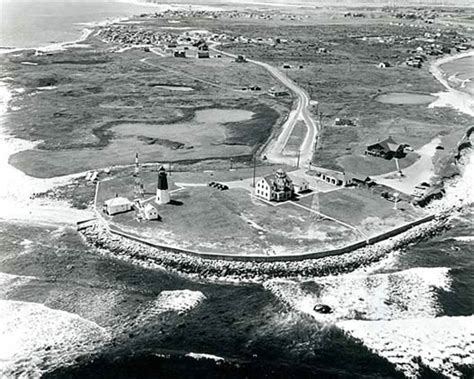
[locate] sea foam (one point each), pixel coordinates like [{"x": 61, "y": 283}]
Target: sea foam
[
  {"x": 35, "y": 338},
  {"x": 403, "y": 294},
  {"x": 443, "y": 344}
]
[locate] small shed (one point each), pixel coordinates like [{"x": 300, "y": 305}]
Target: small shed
[
  {"x": 278, "y": 92},
  {"x": 117, "y": 205},
  {"x": 301, "y": 186},
  {"x": 150, "y": 212}
]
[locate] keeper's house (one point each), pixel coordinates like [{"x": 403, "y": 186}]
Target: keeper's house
[{"x": 275, "y": 187}]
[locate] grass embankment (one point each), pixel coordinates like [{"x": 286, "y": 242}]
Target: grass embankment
[{"x": 73, "y": 100}]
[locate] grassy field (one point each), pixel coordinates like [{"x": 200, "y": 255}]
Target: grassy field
[
  {"x": 363, "y": 209},
  {"x": 206, "y": 219},
  {"x": 73, "y": 102},
  {"x": 296, "y": 138}
]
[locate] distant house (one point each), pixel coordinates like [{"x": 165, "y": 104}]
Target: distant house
[
  {"x": 386, "y": 149},
  {"x": 384, "y": 65},
  {"x": 278, "y": 92},
  {"x": 255, "y": 88},
  {"x": 150, "y": 212},
  {"x": 241, "y": 59},
  {"x": 446, "y": 50},
  {"x": 344, "y": 122},
  {"x": 413, "y": 63},
  {"x": 333, "y": 177},
  {"x": 202, "y": 54},
  {"x": 462, "y": 47},
  {"x": 276, "y": 187},
  {"x": 117, "y": 205},
  {"x": 179, "y": 54}
]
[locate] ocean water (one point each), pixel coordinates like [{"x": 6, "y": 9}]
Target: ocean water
[
  {"x": 460, "y": 74},
  {"x": 40, "y": 23}
]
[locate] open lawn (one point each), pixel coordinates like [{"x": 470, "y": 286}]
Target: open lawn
[
  {"x": 206, "y": 219},
  {"x": 363, "y": 209}
]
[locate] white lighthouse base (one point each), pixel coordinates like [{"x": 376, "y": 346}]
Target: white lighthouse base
[{"x": 162, "y": 197}]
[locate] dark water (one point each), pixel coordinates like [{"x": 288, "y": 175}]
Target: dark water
[{"x": 255, "y": 332}]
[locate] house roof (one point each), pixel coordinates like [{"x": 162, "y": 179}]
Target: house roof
[
  {"x": 149, "y": 207},
  {"x": 388, "y": 144},
  {"x": 333, "y": 173},
  {"x": 117, "y": 201},
  {"x": 300, "y": 182}
]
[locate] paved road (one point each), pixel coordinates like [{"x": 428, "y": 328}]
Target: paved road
[{"x": 275, "y": 150}]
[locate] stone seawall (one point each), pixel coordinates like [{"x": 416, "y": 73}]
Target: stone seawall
[{"x": 152, "y": 257}]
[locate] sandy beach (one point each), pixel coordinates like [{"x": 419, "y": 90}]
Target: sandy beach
[{"x": 456, "y": 99}]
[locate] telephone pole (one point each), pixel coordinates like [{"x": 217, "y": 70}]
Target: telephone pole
[
  {"x": 254, "y": 170},
  {"x": 138, "y": 190}
]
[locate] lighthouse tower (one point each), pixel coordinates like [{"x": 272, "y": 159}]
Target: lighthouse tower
[{"x": 162, "y": 194}]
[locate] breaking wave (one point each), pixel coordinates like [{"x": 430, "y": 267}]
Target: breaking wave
[
  {"x": 443, "y": 344},
  {"x": 404, "y": 294},
  {"x": 36, "y": 339}
]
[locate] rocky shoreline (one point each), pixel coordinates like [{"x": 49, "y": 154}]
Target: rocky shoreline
[{"x": 135, "y": 252}]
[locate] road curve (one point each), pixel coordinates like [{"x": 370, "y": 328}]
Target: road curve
[{"x": 275, "y": 151}]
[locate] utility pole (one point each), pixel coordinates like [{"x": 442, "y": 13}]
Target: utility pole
[
  {"x": 138, "y": 188},
  {"x": 254, "y": 170}
]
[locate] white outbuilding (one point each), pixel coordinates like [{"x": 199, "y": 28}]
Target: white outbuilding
[
  {"x": 150, "y": 212},
  {"x": 300, "y": 185},
  {"x": 117, "y": 205}
]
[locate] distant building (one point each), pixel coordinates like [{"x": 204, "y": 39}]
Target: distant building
[
  {"x": 179, "y": 54},
  {"x": 203, "y": 54},
  {"x": 162, "y": 192},
  {"x": 286, "y": 66},
  {"x": 333, "y": 177},
  {"x": 117, "y": 205},
  {"x": 384, "y": 65},
  {"x": 277, "y": 187},
  {"x": 386, "y": 149},
  {"x": 150, "y": 212},
  {"x": 344, "y": 122},
  {"x": 278, "y": 92},
  {"x": 241, "y": 59}
]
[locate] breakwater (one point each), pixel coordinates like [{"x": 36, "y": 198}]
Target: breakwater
[{"x": 124, "y": 248}]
